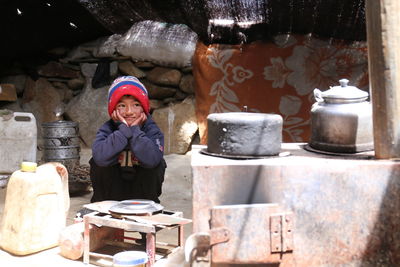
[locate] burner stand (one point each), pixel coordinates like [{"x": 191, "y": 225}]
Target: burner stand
[{"x": 128, "y": 225}]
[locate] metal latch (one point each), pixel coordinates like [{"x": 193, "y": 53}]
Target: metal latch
[{"x": 281, "y": 230}]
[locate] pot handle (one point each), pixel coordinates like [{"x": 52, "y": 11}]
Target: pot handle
[{"x": 318, "y": 95}]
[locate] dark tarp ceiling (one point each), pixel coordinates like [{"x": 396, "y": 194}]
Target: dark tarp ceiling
[
  {"x": 252, "y": 19},
  {"x": 33, "y": 26},
  {"x": 29, "y": 27}
]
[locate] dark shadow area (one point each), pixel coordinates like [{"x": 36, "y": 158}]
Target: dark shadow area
[
  {"x": 33, "y": 27},
  {"x": 383, "y": 247}
]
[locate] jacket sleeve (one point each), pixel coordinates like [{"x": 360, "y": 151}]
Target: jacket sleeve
[
  {"x": 147, "y": 144},
  {"x": 109, "y": 143}
]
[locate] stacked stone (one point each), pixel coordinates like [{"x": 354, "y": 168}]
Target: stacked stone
[{"x": 62, "y": 88}]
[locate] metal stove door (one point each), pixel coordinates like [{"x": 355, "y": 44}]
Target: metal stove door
[{"x": 245, "y": 234}]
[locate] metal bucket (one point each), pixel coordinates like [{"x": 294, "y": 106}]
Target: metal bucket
[{"x": 61, "y": 142}]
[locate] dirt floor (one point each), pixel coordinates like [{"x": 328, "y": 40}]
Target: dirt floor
[{"x": 176, "y": 196}]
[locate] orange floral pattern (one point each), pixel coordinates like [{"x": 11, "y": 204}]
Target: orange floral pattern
[{"x": 275, "y": 77}]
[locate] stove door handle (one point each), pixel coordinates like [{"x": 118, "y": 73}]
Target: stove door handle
[{"x": 198, "y": 244}]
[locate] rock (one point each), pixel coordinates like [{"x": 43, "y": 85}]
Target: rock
[
  {"x": 107, "y": 46},
  {"x": 8, "y": 92},
  {"x": 162, "y": 43},
  {"x": 89, "y": 109},
  {"x": 187, "y": 84},
  {"x": 169, "y": 100},
  {"x": 18, "y": 81},
  {"x": 76, "y": 92},
  {"x": 164, "y": 76},
  {"x": 56, "y": 69},
  {"x": 52, "y": 79},
  {"x": 59, "y": 85},
  {"x": 114, "y": 68},
  {"x": 88, "y": 70},
  {"x": 76, "y": 84},
  {"x": 41, "y": 99},
  {"x": 179, "y": 124},
  {"x": 63, "y": 90},
  {"x": 179, "y": 95},
  {"x": 58, "y": 51},
  {"x": 158, "y": 92},
  {"x": 155, "y": 104},
  {"x": 76, "y": 54},
  {"x": 144, "y": 64},
  {"x": 187, "y": 69},
  {"x": 128, "y": 68},
  {"x": 83, "y": 51},
  {"x": 72, "y": 66}
]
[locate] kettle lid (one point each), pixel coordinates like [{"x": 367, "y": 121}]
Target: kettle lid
[{"x": 345, "y": 92}]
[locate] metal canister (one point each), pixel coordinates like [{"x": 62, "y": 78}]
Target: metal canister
[
  {"x": 341, "y": 120},
  {"x": 61, "y": 142}
]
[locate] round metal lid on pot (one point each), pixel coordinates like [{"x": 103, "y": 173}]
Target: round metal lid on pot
[
  {"x": 342, "y": 93},
  {"x": 59, "y": 124}
]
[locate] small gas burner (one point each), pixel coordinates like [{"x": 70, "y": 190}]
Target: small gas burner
[{"x": 136, "y": 207}]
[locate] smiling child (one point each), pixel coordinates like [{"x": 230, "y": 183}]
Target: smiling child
[{"x": 127, "y": 154}]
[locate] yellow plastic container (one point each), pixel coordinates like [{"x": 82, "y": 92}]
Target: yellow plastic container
[{"x": 36, "y": 207}]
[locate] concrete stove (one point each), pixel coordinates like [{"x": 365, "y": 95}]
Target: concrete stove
[{"x": 346, "y": 209}]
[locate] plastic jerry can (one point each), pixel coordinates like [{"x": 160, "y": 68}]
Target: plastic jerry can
[
  {"x": 18, "y": 139},
  {"x": 36, "y": 207}
]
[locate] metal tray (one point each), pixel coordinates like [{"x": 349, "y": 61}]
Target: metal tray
[{"x": 205, "y": 152}]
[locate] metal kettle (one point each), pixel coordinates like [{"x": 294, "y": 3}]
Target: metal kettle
[{"x": 341, "y": 120}]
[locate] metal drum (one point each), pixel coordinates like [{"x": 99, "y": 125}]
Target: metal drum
[{"x": 61, "y": 142}]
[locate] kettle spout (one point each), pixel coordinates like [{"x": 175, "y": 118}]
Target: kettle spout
[{"x": 318, "y": 95}]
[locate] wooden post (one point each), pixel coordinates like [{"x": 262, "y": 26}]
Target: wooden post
[{"x": 383, "y": 35}]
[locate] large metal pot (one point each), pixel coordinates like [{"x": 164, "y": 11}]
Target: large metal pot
[
  {"x": 244, "y": 134},
  {"x": 341, "y": 120}
]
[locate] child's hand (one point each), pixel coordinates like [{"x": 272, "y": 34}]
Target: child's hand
[
  {"x": 139, "y": 120},
  {"x": 116, "y": 116}
]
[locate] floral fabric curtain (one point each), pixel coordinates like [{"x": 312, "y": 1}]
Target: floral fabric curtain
[{"x": 274, "y": 77}]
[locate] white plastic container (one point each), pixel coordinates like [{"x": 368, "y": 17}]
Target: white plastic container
[
  {"x": 130, "y": 259},
  {"x": 18, "y": 140},
  {"x": 35, "y": 210}
]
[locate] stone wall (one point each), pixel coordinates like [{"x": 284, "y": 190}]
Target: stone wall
[{"x": 72, "y": 84}]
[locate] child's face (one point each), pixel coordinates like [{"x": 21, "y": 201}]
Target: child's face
[{"x": 129, "y": 108}]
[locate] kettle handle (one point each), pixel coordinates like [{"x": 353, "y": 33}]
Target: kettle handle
[{"x": 318, "y": 95}]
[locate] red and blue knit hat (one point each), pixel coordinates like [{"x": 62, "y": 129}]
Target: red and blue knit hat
[{"x": 127, "y": 85}]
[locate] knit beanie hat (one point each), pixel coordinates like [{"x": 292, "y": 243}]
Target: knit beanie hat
[{"x": 127, "y": 85}]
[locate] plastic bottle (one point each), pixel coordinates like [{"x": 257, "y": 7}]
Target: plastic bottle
[
  {"x": 36, "y": 206},
  {"x": 18, "y": 140}
]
